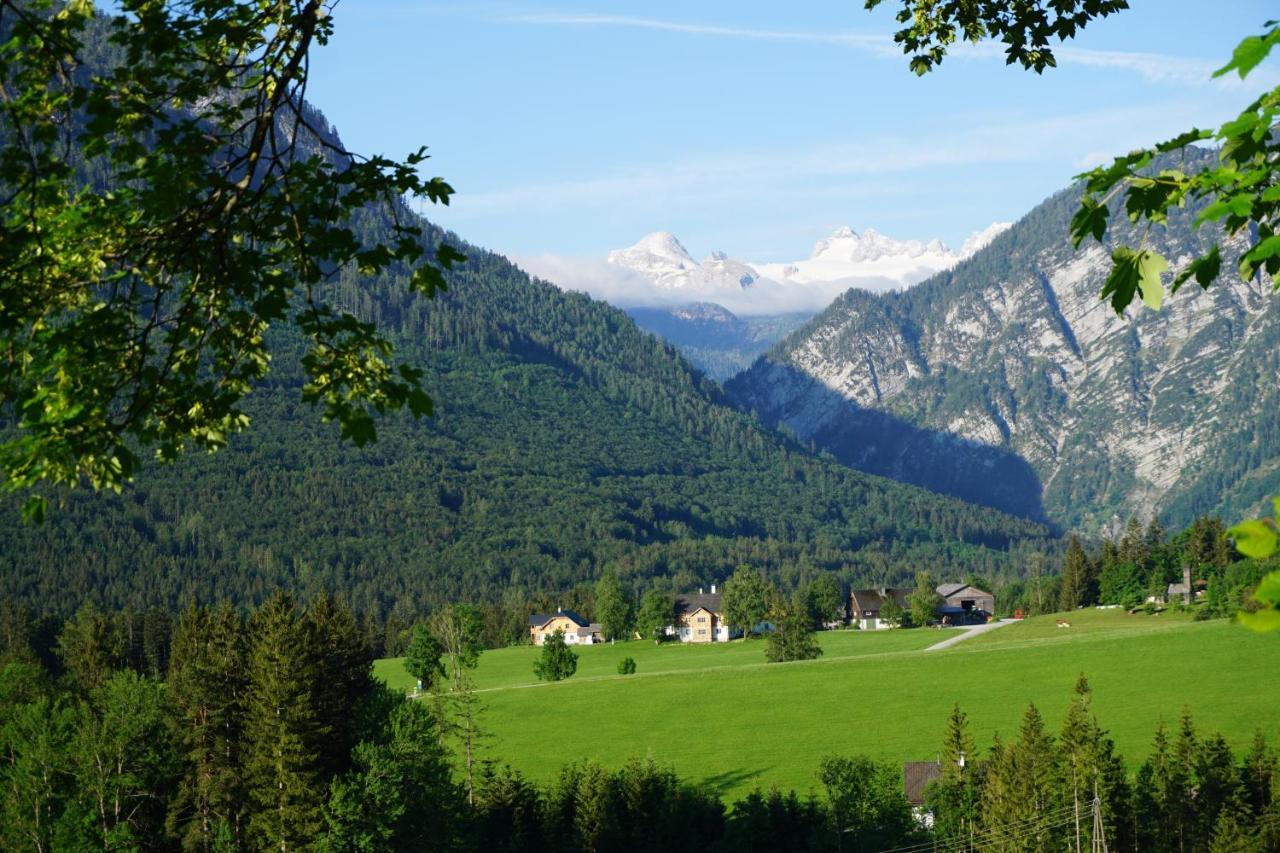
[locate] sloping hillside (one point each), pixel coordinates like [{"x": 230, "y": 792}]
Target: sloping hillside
[
  {"x": 1007, "y": 381},
  {"x": 565, "y": 440}
]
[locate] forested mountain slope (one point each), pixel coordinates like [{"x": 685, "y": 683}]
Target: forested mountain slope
[
  {"x": 565, "y": 440},
  {"x": 1007, "y": 381}
]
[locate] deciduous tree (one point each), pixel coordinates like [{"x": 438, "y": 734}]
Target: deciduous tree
[
  {"x": 557, "y": 661},
  {"x": 168, "y": 201}
]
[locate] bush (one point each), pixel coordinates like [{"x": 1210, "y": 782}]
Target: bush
[{"x": 627, "y": 666}]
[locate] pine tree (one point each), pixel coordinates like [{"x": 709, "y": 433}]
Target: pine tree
[
  {"x": 954, "y": 798},
  {"x": 1023, "y": 789},
  {"x": 90, "y": 647},
  {"x": 283, "y": 738},
  {"x": 1075, "y": 576},
  {"x": 343, "y": 676},
  {"x": 208, "y": 685},
  {"x": 1259, "y": 774}
]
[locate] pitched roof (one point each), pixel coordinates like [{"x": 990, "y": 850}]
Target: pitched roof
[
  {"x": 713, "y": 601},
  {"x": 872, "y": 599},
  {"x": 537, "y": 620},
  {"x": 916, "y": 776},
  {"x": 946, "y": 590}
]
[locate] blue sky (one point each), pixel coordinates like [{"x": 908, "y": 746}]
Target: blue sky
[{"x": 751, "y": 127}]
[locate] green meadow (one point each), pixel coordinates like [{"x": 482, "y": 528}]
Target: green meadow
[{"x": 718, "y": 714}]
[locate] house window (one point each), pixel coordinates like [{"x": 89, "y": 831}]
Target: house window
[
  {"x": 702, "y": 632},
  {"x": 702, "y": 620}
]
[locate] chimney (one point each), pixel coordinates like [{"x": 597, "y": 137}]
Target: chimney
[
  {"x": 1189, "y": 594},
  {"x": 559, "y": 610},
  {"x": 699, "y": 590},
  {"x": 713, "y": 589}
]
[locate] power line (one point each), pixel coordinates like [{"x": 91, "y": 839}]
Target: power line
[{"x": 1013, "y": 830}]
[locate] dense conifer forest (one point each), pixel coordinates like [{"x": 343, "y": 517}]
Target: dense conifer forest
[
  {"x": 565, "y": 442},
  {"x": 218, "y": 731}
]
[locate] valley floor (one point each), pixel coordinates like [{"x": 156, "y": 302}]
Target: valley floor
[{"x": 720, "y": 715}]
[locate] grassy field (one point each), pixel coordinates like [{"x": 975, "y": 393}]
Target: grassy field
[{"x": 719, "y": 715}]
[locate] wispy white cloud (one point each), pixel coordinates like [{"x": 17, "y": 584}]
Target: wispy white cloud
[
  {"x": 1152, "y": 67},
  {"x": 868, "y": 165},
  {"x": 879, "y": 43}
]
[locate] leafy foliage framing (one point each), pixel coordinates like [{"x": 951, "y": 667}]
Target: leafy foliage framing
[{"x": 165, "y": 199}]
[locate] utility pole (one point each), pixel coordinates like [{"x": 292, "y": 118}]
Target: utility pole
[{"x": 1099, "y": 832}]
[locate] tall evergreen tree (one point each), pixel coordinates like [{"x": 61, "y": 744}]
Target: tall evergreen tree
[
  {"x": 90, "y": 647},
  {"x": 954, "y": 798},
  {"x": 1023, "y": 789},
  {"x": 344, "y": 675},
  {"x": 284, "y": 737},
  {"x": 208, "y": 685},
  {"x": 1259, "y": 774},
  {"x": 1075, "y": 576}
]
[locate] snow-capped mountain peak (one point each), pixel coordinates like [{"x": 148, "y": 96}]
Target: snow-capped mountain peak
[
  {"x": 847, "y": 258},
  {"x": 979, "y": 239},
  {"x": 659, "y": 252},
  {"x": 661, "y": 258}
]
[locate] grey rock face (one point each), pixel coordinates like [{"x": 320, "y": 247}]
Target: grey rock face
[{"x": 1008, "y": 381}]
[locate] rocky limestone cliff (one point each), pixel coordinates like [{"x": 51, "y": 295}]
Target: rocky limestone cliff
[{"x": 1009, "y": 382}]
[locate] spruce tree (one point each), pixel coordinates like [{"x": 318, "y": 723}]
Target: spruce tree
[
  {"x": 343, "y": 676},
  {"x": 1090, "y": 768},
  {"x": 208, "y": 685},
  {"x": 1259, "y": 774},
  {"x": 1023, "y": 789},
  {"x": 1075, "y": 576},
  {"x": 284, "y": 737},
  {"x": 954, "y": 798},
  {"x": 90, "y": 647}
]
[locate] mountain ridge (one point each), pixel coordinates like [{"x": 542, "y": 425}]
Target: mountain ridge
[{"x": 1012, "y": 350}]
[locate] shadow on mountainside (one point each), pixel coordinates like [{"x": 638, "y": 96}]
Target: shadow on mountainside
[{"x": 880, "y": 443}]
